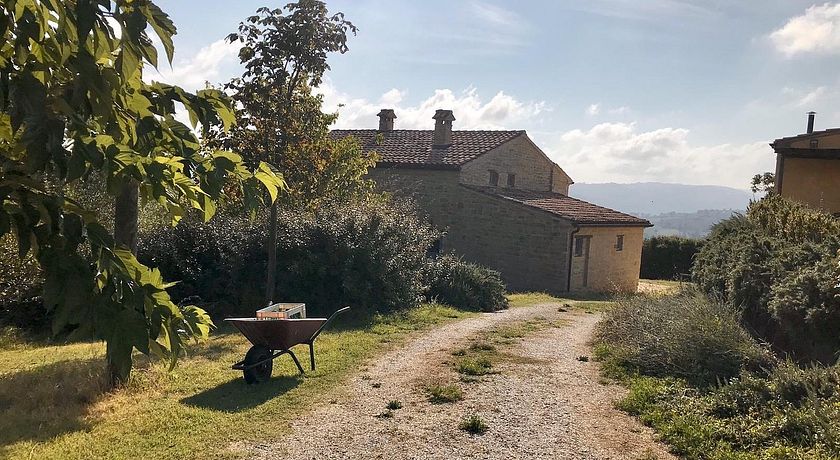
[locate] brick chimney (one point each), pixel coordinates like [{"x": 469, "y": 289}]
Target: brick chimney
[
  {"x": 386, "y": 119},
  {"x": 811, "y": 116},
  {"x": 443, "y": 128}
]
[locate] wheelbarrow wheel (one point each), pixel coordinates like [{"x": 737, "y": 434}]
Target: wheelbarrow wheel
[{"x": 261, "y": 372}]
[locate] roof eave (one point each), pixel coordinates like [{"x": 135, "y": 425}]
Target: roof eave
[
  {"x": 645, "y": 224},
  {"x": 829, "y": 154},
  {"x": 427, "y": 166}
]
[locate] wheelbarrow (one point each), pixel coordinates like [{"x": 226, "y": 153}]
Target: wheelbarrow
[{"x": 273, "y": 337}]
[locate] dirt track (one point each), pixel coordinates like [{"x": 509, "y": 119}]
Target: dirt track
[{"x": 544, "y": 403}]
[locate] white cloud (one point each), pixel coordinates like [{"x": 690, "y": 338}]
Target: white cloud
[
  {"x": 619, "y": 110},
  {"x": 793, "y": 100},
  {"x": 495, "y": 15},
  {"x": 810, "y": 97},
  {"x": 648, "y": 10},
  {"x": 597, "y": 109},
  {"x": 206, "y": 65},
  {"x": 815, "y": 31},
  {"x": 471, "y": 111},
  {"x": 619, "y": 152}
]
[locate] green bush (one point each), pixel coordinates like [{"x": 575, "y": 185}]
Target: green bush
[
  {"x": 779, "y": 265},
  {"x": 807, "y": 303},
  {"x": 668, "y": 257},
  {"x": 464, "y": 285},
  {"x": 21, "y": 284},
  {"x": 684, "y": 336},
  {"x": 791, "y": 413},
  {"x": 366, "y": 255}
]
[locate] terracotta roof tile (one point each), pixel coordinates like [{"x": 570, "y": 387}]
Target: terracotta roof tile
[
  {"x": 578, "y": 211},
  {"x": 413, "y": 148}
]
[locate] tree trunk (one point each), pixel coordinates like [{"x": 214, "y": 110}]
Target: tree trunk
[
  {"x": 126, "y": 214},
  {"x": 271, "y": 268},
  {"x": 126, "y": 211}
]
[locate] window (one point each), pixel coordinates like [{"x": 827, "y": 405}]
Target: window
[
  {"x": 579, "y": 247},
  {"x": 494, "y": 178},
  {"x": 815, "y": 143},
  {"x": 511, "y": 180},
  {"x": 619, "y": 243}
]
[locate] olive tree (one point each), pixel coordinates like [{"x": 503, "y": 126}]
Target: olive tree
[{"x": 73, "y": 101}]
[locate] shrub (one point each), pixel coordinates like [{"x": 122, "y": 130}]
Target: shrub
[
  {"x": 791, "y": 413},
  {"x": 464, "y": 285},
  {"x": 366, "y": 255},
  {"x": 668, "y": 257},
  {"x": 221, "y": 262},
  {"x": 684, "y": 336},
  {"x": 806, "y": 303},
  {"x": 779, "y": 265},
  {"x": 21, "y": 283}
]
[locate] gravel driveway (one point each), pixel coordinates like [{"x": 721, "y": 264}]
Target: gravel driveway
[{"x": 545, "y": 403}]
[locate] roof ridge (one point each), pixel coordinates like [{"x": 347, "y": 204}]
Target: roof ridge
[
  {"x": 432, "y": 130},
  {"x": 414, "y": 148}
]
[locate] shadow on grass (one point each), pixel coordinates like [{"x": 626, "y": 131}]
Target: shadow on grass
[
  {"x": 236, "y": 395},
  {"x": 41, "y": 403},
  {"x": 214, "y": 350}
]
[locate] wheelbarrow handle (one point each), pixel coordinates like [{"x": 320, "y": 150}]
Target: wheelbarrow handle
[{"x": 336, "y": 313}]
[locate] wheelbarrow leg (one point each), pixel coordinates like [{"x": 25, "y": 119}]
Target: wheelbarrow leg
[
  {"x": 312, "y": 355},
  {"x": 297, "y": 363}
]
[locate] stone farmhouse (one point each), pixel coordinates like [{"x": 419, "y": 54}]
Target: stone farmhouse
[
  {"x": 504, "y": 204},
  {"x": 808, "y": 167}
]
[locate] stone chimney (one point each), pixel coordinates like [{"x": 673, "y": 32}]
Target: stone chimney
[
  {"x": 386, "y": 119},
  {"x": 443, "y": 128},
  {"x": 811, "y": 116}
]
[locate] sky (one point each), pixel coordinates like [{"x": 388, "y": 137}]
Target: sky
[{"x": 678, "y": 91}]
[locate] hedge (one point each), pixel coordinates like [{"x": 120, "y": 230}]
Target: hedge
[{"x": 668, "y": 257}]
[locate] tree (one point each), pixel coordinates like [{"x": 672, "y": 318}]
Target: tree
[
  {"x": 72, "y": 102},
  {"x": 763, "y": 183},
  {"x": 284, "y": 51}
]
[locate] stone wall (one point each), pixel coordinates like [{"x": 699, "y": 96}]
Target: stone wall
[
  {"x": 560, "y": 182},
  {"x": 529, "y": 247},
  {"x": 519, "y": 156},
  {"x": 436, "y": 191},
  {"x": 607, "y": 268}
]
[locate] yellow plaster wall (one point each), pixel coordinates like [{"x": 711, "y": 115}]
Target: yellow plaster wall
[
  {"x": 815, "y": 182},
  {"x": 609, "y": 270}
]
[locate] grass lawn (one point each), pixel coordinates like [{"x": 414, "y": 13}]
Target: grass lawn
[
  {"x": 590, "y": 302},
  {"x": 54, "y": 405}
]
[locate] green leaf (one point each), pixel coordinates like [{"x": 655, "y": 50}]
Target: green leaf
[
  {"x": 270, "y": 180},
  {"x": 163, "y": 26}
]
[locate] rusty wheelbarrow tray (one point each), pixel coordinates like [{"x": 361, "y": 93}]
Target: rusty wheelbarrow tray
[{"x": 272, "y": 338}]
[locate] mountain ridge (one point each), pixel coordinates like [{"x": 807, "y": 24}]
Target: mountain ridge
[{"x": 653, "y": 198}]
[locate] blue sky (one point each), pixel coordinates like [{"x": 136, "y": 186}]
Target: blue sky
[{"x": 613, "y": 90}]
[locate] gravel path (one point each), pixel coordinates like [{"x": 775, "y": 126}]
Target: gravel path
[{"x": 544, "y": 403}]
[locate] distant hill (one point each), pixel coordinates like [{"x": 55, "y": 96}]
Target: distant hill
[
  {"x": 690, "y": 224},
  {"x": 654, "y": 198}
]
